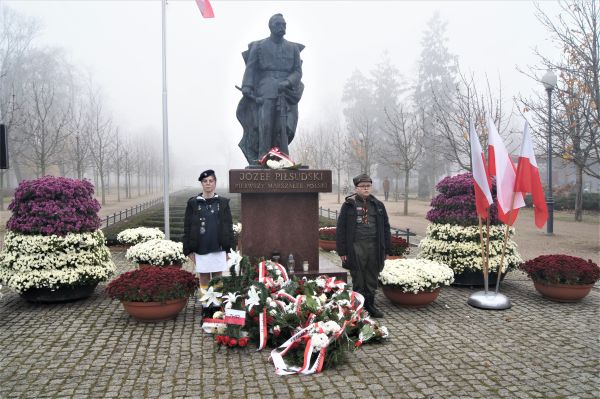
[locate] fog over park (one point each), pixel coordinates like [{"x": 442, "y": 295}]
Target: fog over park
[{"x": 113, "y": 49}]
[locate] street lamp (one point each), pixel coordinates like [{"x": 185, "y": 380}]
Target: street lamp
[{"x": 549, "y": 81}]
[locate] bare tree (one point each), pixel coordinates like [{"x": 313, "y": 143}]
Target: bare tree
[
  {"x": 337, "y": 148},
  {"x": 403, "y": 139},
  {"x": 576, "y": 105},
  {"x": 46, "y": 112},
  {"x": 100, "y": 134},
  {"x": 454, "y": 109},
  {"x": 17, "y": 33},
  {"x": 363, "y": 141}
]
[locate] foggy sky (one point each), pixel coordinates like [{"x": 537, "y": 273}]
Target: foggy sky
[{"x": 119, "y": 42}]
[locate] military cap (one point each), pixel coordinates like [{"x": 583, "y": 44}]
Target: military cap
[
  {"x": 362, "y": 178},
  {"x": 207, "y": 173}
]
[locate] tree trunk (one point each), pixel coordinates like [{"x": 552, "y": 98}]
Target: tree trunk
[
  {"x": 406, "y": 180},
  {"x": 102, "y": 188},
  {"x": 578, "y": 193},
  {"x": 339, "y": 186}
]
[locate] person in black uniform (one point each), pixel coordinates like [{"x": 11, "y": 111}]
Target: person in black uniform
[
  {"x": 363, "y": 240},
  {"x": 208, "y": 230}
]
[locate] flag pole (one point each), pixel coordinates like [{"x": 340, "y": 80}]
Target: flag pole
[
  {"x": 165, "y": 122},
  {"x": 487, "y": 246},
  {"x": 499, "y": 273},
  {"x": 483, "y": 257}
]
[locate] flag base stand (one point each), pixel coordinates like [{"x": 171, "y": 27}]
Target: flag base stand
[{"x": 489, "y": 300}]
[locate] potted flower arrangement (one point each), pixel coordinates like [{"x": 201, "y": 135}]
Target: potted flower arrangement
[
  {"x": 399, "y": 247},
  {"x": 138, "y": 235},
  {"x": 154, "y": 293},
  {"x": 157, "y": 252},
  {"x": 54, "y": 250},
  {"x": 414, "y": 282},
  {"x": 327, "y": 238},
  {"x": 562, "y": 278},
  {"x": 453, "y": 238}
]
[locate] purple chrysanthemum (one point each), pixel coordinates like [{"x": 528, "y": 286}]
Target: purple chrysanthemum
[
  {"x": 456, "y": 202},
  {"x": 54, "y": 205}
]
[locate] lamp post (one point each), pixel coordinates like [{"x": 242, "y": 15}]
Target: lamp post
[{"x": 549, "y": 81}]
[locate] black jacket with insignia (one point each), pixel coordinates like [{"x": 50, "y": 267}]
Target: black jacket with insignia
[
  {"x": 346, "y": 229},
  {"x": 191, "y": 226}
]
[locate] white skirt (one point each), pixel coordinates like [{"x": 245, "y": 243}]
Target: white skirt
[{"x": 211, "y": 262}]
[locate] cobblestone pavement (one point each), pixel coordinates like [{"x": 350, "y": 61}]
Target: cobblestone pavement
[{"x": 91, "y": 349}]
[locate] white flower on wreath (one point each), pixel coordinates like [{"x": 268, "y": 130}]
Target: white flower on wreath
[
  {"x": 230, "y": 299},
  {"x": 235, "y": 258},
  {"x": 273, "y": 164},
  {"x": 320, "y": 282},
  {"x": 211, "y": 297},
  {"x": 253, "y": 298},
  {"x": 220, "y": 329},
  {"x": 323, "y": 298},
  {"x": 330, "y": 327},
  {"x": 319, "y": 341},
  {"x": 218, "y": 315}
]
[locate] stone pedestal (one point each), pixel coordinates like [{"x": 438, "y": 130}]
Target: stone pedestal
[{"x": 280, "y": 212}]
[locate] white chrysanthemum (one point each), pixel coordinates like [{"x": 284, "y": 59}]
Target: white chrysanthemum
[
  {"x": 459, "y": 247},
  {"x": 139, "y": 234},
  {"x": 414, "y": 275},
  {"x": 34, "y": 261},
  {"x": 157, "y": 252}
]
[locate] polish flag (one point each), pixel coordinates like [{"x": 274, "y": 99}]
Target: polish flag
[
  {"x": 528, "y": 179},
  {"x": 205, "y": 8},
  {"x": 501, "y": 166},
  {"x": 483, "y": 196}
]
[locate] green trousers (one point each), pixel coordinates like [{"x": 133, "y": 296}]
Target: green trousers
[{"x": 366, "y": 270}]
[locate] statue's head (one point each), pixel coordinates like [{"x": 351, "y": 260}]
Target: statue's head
[{"x": 277, "y": 25}]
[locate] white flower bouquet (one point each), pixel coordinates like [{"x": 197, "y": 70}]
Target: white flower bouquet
[
  {"x": 416, "y": 275},
  {"x": 157, "y": 252},
  {"x": 36, "y": 261},
  {"x": 139, "y": 234}
]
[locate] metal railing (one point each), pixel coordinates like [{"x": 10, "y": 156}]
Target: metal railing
[
  {"x": 404, "y": 233},
  {"x": 124, "y": 214}
]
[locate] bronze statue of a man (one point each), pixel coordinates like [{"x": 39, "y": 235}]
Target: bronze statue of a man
[{"x": 271, "y": 88}]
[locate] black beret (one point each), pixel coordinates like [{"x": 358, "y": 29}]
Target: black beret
[
  {"x": 207, "y": 173},
  {"x": 362, "y": 178}
]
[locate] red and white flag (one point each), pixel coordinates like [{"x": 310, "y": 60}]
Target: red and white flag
[
  {"x": 501, "y": 166},
  {"x": 205, "y": 8},
  {"x": 483, "y": 195},
  {"x": 528, "y": 179}
]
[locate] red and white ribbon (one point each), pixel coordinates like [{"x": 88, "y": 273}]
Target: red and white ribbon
[
  {"x": 277, "y": 354},
  {"x": 262, "y": 327}
]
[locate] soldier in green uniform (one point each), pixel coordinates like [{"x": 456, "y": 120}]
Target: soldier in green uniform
[{"x": 363, "y": 240}]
